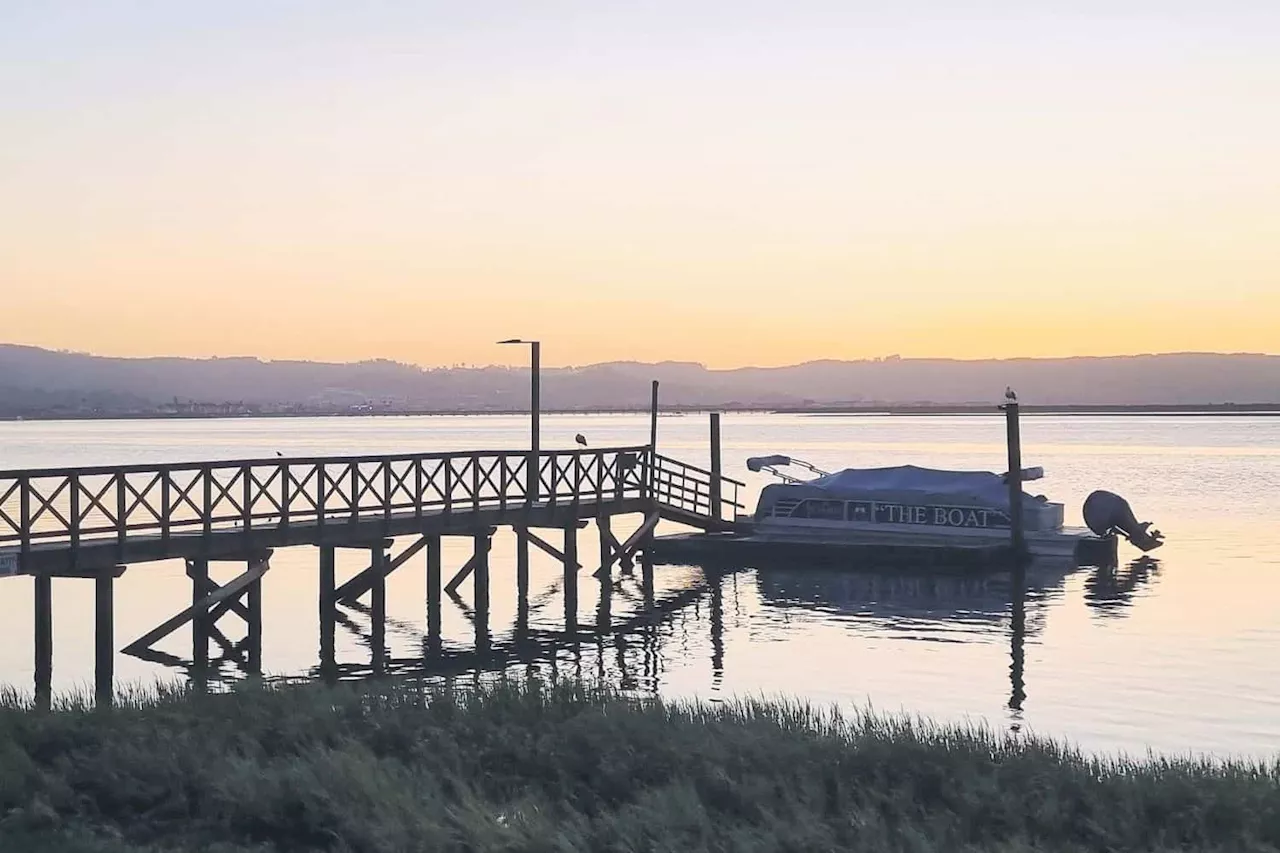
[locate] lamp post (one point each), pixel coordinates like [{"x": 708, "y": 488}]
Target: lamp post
[{"x": 535, "y": 412}]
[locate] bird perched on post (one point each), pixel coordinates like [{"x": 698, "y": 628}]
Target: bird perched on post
[
  {"x": 580, "y": 440},
  {"x": 1009, "y": 395}
]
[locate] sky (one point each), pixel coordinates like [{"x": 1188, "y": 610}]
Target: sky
[{"x": 728, "y": 181}]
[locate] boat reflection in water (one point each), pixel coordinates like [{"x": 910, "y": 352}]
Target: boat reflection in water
[{"x": 930, "y": 606}]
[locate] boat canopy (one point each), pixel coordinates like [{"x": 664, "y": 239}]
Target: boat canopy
[{"x": 906, "y": 484}]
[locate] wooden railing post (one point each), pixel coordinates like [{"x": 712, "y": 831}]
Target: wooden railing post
[
  {"x": 122, "y": 527},
  {"x": 206, "y": 473},
  {"x": 246, "y": 504},
  {"x": 322, "y": 488},
  {"x": 166, "y": 503},
  {"x": 24, "y": 516},
  {"x": 417, "y": 487},
  {"x": 286, "y": 493}
]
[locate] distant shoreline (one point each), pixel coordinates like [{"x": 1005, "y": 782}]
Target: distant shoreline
[{"x": 1229, "y": 409}]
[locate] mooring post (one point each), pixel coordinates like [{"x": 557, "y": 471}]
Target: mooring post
[
  {"x": 378, "y": 607},
  {"x": 653, "y": 440},
  {"x": 1014, "y": 439},
  {"x": 254, "y": 635},
  {"x": 198, "y": 570},
  {"x": 434, "y": 560},
  {"x": 481, "y": 591},
  {"x": 714, "y": 487},
  {"x": 104, "y": 646},
  {"x": 44, "y": 640},
  {"x": 571, "y": 578},
  {"x": 328, "y": 609}
]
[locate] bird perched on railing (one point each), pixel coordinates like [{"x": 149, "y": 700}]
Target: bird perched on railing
[
  {"x": 580, "y": 440},
  {"x": 1009, "y": 395}
]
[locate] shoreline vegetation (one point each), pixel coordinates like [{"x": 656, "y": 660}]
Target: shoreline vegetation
[
  {"x": 531, "y": 766},
  {"x": 1027, "y": 410}
]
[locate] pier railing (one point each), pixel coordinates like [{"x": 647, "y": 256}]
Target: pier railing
[
  {"x": 694, "y": 490},
  {"x": 77, "y": 505}
]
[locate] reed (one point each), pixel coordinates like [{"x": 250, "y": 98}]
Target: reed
[{"x": 534, "y": 766}]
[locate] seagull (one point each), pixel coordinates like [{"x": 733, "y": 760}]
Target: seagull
[
  {"x": 278, "y": 453},
  {"x": 1009, "y": 395},
  {"x": 580, "y": 440}
]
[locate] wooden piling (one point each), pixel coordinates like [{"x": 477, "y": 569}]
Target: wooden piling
[
  {"x": 253, "y": 634},
  {"x": 328, "y": 608},
  {"x": 434, "y": 560},
  {"x": 571, "y": 578},
  {"x": 1014, "y": 439},
  {"x": 522, "y": 579},
  {"x": 378, "y": 608},
  {"x": 603, "y": 525},
  {"x": 198, "y": 569},
  {"x": 104, "y": 646},
  {"x": 481, "y": 590},
  {"x": 653, "y": 442},
  {"x": 43, "y": 640},
  {"x": 715, "y": 465}
]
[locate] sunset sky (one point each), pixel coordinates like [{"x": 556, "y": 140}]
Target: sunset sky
[{"x": 730, "y": 182}]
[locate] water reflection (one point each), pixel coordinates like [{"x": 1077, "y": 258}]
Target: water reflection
[
  {"x": 1110, "y": 591},
  {"x": 930, "y": 607},
  {"x": 637, "y": 631}
]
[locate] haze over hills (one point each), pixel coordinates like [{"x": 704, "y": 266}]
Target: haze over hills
[{"x": 38, "y": 381}]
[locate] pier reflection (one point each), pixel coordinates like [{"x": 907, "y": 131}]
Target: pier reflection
[
  {"x": 638, "y": 629},
  {"x": 623, "y": 645}
]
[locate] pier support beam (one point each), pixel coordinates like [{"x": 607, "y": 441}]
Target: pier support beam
[
  {"x": 43, "y": 640},
  {"x": 328, "y": 612},
  {"x": 522, "y": 582},
  {"x": 480, "y": 571},
  {"x": 211, "y": 601},
  {"x": 353, "y": 589},
  {"x": 480, "y": 554},
  {"x": 104, "y": 646},
  {"x": 378, "y": 607},
  {"x": 434, "y": 560},
  {"x": 253, "y": 630},
  {"x": 198, "y": 571},
  {"x": 625, "y": 553},
  {"x": 571, "y": 579}
]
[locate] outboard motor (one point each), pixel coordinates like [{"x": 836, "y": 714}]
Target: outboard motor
[{"x": 1106, "y": 513}]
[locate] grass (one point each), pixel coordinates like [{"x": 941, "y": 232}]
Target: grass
[{"x": 536, "y": 767}]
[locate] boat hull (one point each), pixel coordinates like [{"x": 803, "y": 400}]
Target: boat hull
[{"x": 881, "y": 546}]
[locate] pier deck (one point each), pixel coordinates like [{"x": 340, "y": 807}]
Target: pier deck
[{"x": 98, "y": 522}]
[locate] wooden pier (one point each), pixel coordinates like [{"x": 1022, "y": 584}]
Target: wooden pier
[{"x": 96, "y": 523}]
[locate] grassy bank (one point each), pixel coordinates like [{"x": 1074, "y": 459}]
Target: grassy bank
[{"x": 530, "y": 767}]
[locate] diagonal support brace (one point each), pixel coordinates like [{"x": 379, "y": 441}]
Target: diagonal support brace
[{"x": 232, "y": 589}]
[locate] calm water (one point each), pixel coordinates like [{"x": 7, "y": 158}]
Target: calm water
[{"x": 1177, "y": 655}]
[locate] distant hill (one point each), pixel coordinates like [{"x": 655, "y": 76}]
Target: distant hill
[{"x": 34, "y": 379}]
